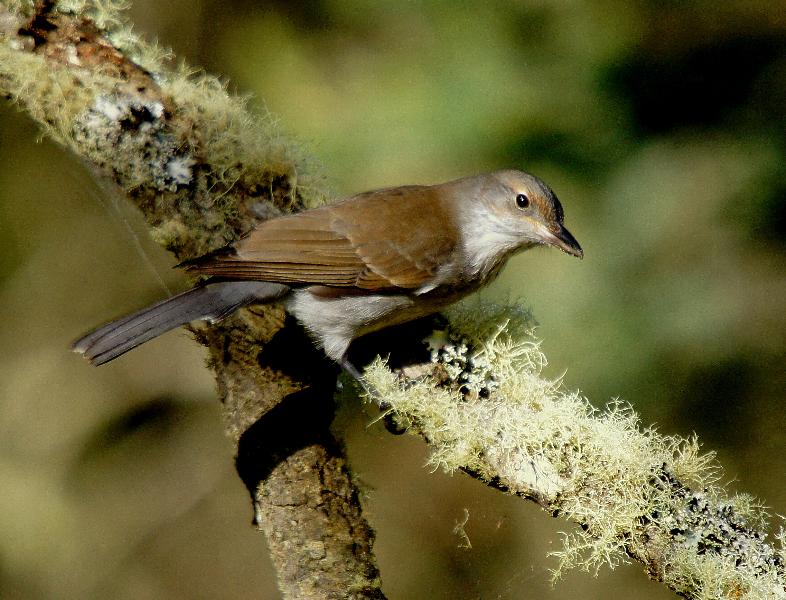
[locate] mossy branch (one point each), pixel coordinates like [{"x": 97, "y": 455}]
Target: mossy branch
[
  {"x": 203, "y": 170},
  {"x": 484, "y": 407}
]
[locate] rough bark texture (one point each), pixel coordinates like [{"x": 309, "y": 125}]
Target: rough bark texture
[
  {"x": 295, "y": 495},
  {"x": 203, "y": 171}
]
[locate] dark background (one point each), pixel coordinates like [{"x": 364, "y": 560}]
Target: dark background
[{"x": 659, "y": 124}]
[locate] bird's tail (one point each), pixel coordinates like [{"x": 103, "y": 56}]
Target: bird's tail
[{"x": 212, "y": 301}]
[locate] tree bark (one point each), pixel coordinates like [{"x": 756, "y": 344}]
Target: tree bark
[{"x": 203, "y": 171}]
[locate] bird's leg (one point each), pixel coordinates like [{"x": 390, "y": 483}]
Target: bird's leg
[
  {"x": 350, "y": 368},
  {"x": 355, "y": 373},
  {"x": 387, "y": 417}
]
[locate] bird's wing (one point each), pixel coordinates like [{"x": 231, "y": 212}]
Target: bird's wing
[{"x": 386, "y": 250}]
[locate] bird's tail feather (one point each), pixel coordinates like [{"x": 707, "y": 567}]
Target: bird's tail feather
[{"x": 213, "y": 301}]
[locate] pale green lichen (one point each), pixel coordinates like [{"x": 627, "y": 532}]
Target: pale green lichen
[
  {"x": 106, "y": 14},
  {"x": 710, "y": 577},
  {"x": 54, "y": 96},
  {"x": 244, "y": 147},
  {"x": 22, "y": 8},
  {"x": 192, "y": 156},
  {"x": 634, "y": 491},
  {"x": 89, "y": 111}
]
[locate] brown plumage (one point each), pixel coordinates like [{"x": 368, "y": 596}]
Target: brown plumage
[
  {"x": 329, "y": 246},
  {"x": 372, "y": 261}
]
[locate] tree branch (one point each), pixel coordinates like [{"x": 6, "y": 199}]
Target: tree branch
[
  {"x": 203, "y": 171},
  {"x": 476, "y": 394}
]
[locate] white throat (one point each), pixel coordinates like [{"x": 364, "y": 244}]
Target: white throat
[{"x": 488, "y": 240}]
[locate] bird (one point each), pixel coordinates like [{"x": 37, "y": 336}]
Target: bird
[{"x": 371, "y": 261}]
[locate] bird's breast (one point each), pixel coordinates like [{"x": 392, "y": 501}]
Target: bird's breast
[{"x": 336, "y": 320}]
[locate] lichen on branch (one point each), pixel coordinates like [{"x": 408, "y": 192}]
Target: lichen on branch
[
  {"x": 203, "y": 169},
  {"x": 191, "y": 156},
  {"x": 487, "y": 409}
]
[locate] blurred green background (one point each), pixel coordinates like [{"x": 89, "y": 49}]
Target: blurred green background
[{"x": 659, "y": 124}]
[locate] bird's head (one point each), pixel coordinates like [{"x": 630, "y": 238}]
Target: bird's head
[{"x": 520, "y": 208}]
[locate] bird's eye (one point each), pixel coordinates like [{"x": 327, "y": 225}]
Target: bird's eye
[{"x": 522, "y": 201}]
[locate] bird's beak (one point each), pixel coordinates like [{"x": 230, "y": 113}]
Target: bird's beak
[{"x": 564, "y": 240}]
